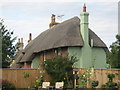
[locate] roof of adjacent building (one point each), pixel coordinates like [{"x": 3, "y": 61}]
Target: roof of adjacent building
[{"x": 64, "y": 34}]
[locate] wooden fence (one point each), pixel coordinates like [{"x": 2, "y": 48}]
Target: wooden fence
[
  {"x": 101, "y": 75},
  {"x": 16, "y": 76}
]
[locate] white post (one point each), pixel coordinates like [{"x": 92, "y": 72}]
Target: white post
[{"x": 75, "y": 83}]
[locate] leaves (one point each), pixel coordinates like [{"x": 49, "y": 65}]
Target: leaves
[
  {"x": 38, "y": 83},
  {"x": 86, "y": 76},
  {"x": 60, "y": 68},
  {"x": 26, "y": 74},
  {"x": 6, "y": 85},
  {"x": 8, "y": 49},
  {"x": 114, "y": 55}
]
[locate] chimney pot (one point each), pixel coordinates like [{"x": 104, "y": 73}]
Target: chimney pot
[
  {"x": 30, "y": 37},
  {"x": 19, "y": 40},
  {"x": 84, "y": 8},
  {"x": 53, "y": 22},
  {"x": 53, "y": 18},
  {"x": 21, "y": 43}
]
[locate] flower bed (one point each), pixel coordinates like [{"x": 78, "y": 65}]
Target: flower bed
[{"x": 6, "y": 84}]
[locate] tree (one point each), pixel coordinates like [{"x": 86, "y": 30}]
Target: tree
[
  {"x": 114, "y": 55},
  {"x": 60, "y": 69},
  {"x": 8, "y": 49}
]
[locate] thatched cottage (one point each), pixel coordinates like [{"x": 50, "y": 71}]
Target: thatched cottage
[{"x": 69, "y": 38}]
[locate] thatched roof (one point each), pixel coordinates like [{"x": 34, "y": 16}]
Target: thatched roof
[{"x": 64, "y": 34}]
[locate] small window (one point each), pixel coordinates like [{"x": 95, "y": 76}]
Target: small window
[
  {"x": 56, "y": 51},
  {"x": 59, "y": 51}
]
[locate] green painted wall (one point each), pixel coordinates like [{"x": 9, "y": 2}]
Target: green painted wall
[
  {"x": 86, "y": 56},
  {"x": 98, "y": 57},
  {"x": 76, "y": 52},
  {"x": 83, "y": 60},
  {"x": 35, "y": 62}
]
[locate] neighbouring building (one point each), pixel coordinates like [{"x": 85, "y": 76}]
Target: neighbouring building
[{"x": 69, "y": 38}]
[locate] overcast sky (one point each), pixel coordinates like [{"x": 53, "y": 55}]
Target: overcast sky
[{"x": 34, "y": 17}]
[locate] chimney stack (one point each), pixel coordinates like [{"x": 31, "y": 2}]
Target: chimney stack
[
  {"x": 86, "y": 54},
  {"x": 30, "y": 37},
  {"x": 19, "y": 40},
  {"x": 21, "y": 44},
  {"x": 53, "y": 22},
  {"x": 84, "y": 25},
  {"x": 53, "y": 18},
  {"x": 18, "y": 45}
]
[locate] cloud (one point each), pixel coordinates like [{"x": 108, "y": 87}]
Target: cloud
[
  {"x": 22, "y": 28},
  {"x": 25, "y": 18}
]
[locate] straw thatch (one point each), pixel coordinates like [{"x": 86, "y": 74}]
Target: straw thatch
[{"x": 64, "y": 34}]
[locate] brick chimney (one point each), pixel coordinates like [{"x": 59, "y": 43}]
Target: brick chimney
[
  {"x": 19, "y": 40},
  {"x": 30, "y": 37},
  {"x": 21, "y": 44},
  {"x": 53, "y": 18},
  {"x": 53, "y": 22},
  {"x": 18, "y": 45}
]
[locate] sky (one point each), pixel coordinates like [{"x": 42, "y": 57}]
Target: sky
[
  {"x": 119, "y": 17},
  {"x": 28, "y": 16}
]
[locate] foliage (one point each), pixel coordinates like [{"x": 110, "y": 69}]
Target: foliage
[
  {"x": 110, "y": 83},
  {"x": 84, "y": 78},
  {"x": 111, "y": 76},
  {"x": 6, "y": 85},
  {"x": 114, "y": 56},
  {"x": 38, "y": 83},
  {"x": 95, "y": 83},
  {"x": 8, "y": 49},
  {"x": 26, "y": 74},
  {"x": 60, "y": 69}
]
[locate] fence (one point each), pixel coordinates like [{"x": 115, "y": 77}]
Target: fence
[
  {"x": 17, "y": 76},
  {"x": 101, "y": 75}
]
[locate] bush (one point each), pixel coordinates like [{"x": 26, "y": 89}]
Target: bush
[
  {"x": 110, "y": 83},
  {"x": 60, "y": 69},
  {"x": 6, "y": 85}
]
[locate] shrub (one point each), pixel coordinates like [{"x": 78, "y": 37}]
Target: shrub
[
  {"x": 110, "y": 83},
  {"x": 6, "y": 84},
  {"x": 60, "y": 69}
]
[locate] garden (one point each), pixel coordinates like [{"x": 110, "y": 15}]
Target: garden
[{"x": 61, "y": 69}]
